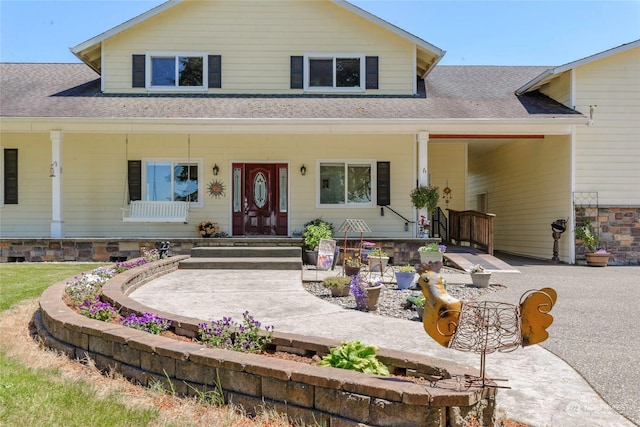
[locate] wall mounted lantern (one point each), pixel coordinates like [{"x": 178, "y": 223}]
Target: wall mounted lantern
[
  {"x": 303, "y": 170},
  {"x": 216, "y": 169},
  {"x": 52, "y": 169}
]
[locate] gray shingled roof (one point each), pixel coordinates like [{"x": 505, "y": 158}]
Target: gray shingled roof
[{"x": 452, "y": 92}]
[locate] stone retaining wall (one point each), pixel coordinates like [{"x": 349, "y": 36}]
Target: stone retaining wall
[{"x": 312, "y": 394}]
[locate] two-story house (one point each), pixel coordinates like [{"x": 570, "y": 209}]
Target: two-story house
[{"x": 261, "y": 116}]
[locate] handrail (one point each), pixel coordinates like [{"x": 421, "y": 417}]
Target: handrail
[
  {"x": 408, "y": 221},
  {"x": 473, "y": 227}
]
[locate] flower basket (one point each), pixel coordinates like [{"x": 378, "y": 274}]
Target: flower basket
[
  {"x": 350, "y": 271},
  {"x": 430, "y": 256}
]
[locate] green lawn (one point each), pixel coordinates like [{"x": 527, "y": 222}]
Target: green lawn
[{"x": 38, "y": 397}]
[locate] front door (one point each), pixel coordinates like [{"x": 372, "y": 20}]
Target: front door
[{"x": 260, "y": 202}]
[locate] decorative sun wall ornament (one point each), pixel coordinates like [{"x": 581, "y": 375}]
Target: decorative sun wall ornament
[{"x": 216, "y": 188}]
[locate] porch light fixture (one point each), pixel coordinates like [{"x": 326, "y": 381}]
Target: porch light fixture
[
  {"x": 303, "y": 170},
  {"x": 216, "y": 169},
  {"x": 52, "y": 169}
]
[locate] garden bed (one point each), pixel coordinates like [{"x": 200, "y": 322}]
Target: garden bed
[{"x": 305, "y": 392}]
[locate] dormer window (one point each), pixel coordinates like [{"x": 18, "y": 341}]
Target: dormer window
[
  {"x": 176, "y": 71},
  {"x": 334, "y": 72}
]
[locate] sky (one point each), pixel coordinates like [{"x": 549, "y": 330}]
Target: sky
[{"x": 507, "y": 32}]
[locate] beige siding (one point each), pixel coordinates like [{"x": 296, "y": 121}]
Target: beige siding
[
  {"x": 448, "y": 166},
  {"x": 608, "y": 152},
  {"x": 527, "y": 188},
  {"x": 94, "y": 187},
  {"x": 559, "y": 89},
  {"x": 31, "y": 217},
  {"x": 256, "y": 40}
]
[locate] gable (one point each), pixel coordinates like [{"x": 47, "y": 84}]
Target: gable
[{"x": 256, "y": 41}]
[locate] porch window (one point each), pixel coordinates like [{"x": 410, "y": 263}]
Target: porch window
[
  {"x": 346, "y": 183},
  {"x": 170, "y": 180},
  {"x": 168, "y": 71},
  {"x": 338, "y": 73}
]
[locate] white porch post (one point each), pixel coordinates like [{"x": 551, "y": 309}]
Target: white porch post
[
  {"x": 57, "y": 223},
  {"x": 423, "y": 171}
]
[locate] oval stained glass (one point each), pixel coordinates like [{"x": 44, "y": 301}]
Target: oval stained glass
[{"x": 260, "y": 190}]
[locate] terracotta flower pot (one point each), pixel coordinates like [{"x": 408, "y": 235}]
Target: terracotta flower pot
[
  {"x": 597, "y": 260},
  {"x": 340, "y": 292},
  {"x": 373, "y": 296},
  {"x": 351, "y": 271}
]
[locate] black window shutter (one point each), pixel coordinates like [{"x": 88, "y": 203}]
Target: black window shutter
[
  {"x": 297, "y": 68},
  {"x": 371, "y": 66},
  {"x": 11, "y": 176},
  {"x": 134, "y": 177},
  {"x": 384, "y": 183},
  {"x": 215, "y": 71},
  {"x": 137, "y": 70}
]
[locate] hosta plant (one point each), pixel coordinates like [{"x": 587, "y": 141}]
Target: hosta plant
[{"x": 355, "y": 356}]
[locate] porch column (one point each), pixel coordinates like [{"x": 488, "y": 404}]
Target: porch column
[
  {"x": 57, "y": 223},
  {"x": 423, "y": 171}
]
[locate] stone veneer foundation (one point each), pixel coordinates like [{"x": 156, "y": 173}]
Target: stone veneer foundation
[{"x": 312, "y": 394}]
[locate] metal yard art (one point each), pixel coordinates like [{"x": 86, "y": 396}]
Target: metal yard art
[{"x": 483, "y": 327}]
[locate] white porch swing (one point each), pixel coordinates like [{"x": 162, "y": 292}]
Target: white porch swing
[{"x": 156, "y": 211}]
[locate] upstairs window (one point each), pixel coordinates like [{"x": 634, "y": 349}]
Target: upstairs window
[
  {"x": 182, "y": 71},
  {"x": 337, "y": 73}
]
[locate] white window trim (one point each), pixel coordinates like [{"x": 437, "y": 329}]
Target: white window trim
[
  {"x": 346, "y": 205},
  {"x": 176, "y": 88},
  {"x": 198, "y": 161},
  {"x": 363, "y": 77}
]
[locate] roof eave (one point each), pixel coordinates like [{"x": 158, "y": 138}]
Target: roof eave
[
  {"x": 551, "y": 73},
  {"x": 79, "y": 49}
]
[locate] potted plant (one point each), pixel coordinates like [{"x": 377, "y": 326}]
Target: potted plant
[
  {"x": 366, "y": 292},
  {"x": 431, "y": 252},
  {"x": 417, "y": 301},
  {"x": 479, "y": 276},
  {"x": 378, "y": 260},
  {"x": 405, "y": 276},
  {"x": 339, "y": 286},
  {"x": 595, "y": 256},
  {"x": 314, "y": 231},
  {"x": 208, "y": 228},
  {"x": 352, "y": 265},
  {"x": 367, "y": 247},
  {"x": 425, "y": 197}
]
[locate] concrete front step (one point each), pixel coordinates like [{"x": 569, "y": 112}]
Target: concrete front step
[
  {"x": 242, "y": 263},
  {"x": 247, "y": 252}
]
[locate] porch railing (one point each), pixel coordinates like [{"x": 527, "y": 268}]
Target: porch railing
[
  {"x": 439, "y": 226},
  {"x": 473, "y": 227}
]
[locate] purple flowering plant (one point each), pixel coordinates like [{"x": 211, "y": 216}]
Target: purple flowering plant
[
  {"x": 228, "y": 334},
  {"x": 358, "y": 287},
  {"x": 124, "y": 266},
  {"x": 87, "y": 286},
  {"x": 99, "y": 310},
  {"x": 147, "y": 322}
]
